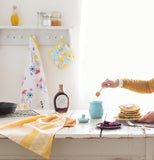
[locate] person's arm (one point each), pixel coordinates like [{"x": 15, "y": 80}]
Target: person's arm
[{"x": 139, "y": 86}]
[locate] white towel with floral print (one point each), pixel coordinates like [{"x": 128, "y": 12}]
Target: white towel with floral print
[{"x": 34, "y": 93}]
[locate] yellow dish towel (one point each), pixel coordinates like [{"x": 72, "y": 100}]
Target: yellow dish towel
[{"x": 36, "y": 133}]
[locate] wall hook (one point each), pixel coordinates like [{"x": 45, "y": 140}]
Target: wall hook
[
  {"x": 34, "y": 37},
  {"x": 61, "y": 37}
]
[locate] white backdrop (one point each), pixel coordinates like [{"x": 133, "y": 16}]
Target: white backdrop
[{"x": 119, "y": 43}]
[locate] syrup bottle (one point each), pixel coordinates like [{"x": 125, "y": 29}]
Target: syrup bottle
[{"x": 61, "y": 101}]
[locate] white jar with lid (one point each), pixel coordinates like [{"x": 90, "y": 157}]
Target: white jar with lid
[
  {"x": 47, "y": 20},
  {"x": 40, "y": 18}
]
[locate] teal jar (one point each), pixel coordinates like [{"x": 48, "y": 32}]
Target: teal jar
[{"x": 96, "y": 109}]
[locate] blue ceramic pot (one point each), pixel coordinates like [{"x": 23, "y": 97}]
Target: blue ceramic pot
[{"x": 96, "y": 109}]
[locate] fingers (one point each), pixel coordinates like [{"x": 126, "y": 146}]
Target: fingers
[
  {"x": 148, "y": 121},
  {"x": 146, "y": 118},
  {"x": 107, "y": 83},
  {"x": 110, "y": 83},
  {"x": 142, "y": 119}
]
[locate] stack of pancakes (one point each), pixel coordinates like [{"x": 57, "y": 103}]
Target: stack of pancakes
[{"x": 129, "y": 111}]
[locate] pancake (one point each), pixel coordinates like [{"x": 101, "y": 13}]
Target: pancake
[
  {"x": 129, "y": 111},
  {"x": 121, "y": 115},
  {"x": 129, "y": 108},
  {"x": 129, "y": 114}
]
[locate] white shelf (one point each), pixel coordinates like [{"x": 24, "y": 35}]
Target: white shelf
[{"x": 19, "y": 35}]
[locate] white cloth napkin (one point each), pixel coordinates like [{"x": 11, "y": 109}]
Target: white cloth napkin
[{"x": 34, "y": 93}]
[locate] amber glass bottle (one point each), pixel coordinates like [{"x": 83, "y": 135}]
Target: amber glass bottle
[{"x": 61, "y": 101}]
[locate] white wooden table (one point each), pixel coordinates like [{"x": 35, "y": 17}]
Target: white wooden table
[{"x": 82, "y": 142}]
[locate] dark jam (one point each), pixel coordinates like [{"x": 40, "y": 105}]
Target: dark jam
[{"x": 61, "y": 101}]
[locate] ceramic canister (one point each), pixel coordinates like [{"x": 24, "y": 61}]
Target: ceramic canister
[{"x": 96, "y": 109}]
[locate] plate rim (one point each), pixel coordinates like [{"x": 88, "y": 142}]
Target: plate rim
[
  {"x": 107, "y": 127},
  {"x": 122, "y": 119}
]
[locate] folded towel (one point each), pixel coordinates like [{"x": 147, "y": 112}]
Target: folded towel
[
  {"x": 34, "y": 93},
  {"x": 36, "y": 133}
]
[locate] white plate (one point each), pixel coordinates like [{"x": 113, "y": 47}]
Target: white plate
[{"x": 124, "y": 120}]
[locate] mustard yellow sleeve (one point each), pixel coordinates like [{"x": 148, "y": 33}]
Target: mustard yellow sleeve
[{"x": 139, "y": 86}]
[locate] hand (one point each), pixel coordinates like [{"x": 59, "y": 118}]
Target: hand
[
  {"x": 148, "y": 118},
  {"x": 110, "y": 83}
]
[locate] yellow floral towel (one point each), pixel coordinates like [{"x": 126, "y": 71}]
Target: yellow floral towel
[{"x": 36, "y": 133}]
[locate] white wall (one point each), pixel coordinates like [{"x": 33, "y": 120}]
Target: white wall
[
  {"x": 119, "y": 43},
  {"x": 13, "y": 58}
]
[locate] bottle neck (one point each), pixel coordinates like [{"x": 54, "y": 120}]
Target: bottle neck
[
  {"x": 61, "y": 88},
  {"x": 14, "y": 8}
]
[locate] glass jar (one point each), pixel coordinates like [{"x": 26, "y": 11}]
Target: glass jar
[
  {"x": 56, "y": 19},
  {"x": 40, "y": 18},
  {"x": 46, "y": 20}
]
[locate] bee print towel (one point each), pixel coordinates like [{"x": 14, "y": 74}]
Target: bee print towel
[{"x": 34, "y": 93}]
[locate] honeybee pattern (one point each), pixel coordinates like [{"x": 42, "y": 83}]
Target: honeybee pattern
[{"x": 61, "y": 54}]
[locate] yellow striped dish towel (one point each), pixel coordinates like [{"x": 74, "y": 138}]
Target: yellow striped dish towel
[{"x": 36, "y": 133}]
